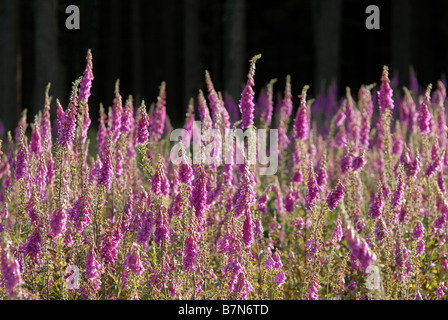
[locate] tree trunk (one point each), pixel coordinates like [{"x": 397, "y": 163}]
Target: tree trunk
[
  {"x": 234, "y": 47},
  {"x": 113, "y": 51},
  {"x": 327, "y": 30},
  {"x": 47, "y": 59},
  {"x": 10, "y": 64},
  {"x": 137, "y": 66},
  {"x": 401, "y": 39},
  {"x": 193, "y": 69}
]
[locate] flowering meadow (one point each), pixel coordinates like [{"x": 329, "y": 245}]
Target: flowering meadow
[{"x": 357, "y": 208}]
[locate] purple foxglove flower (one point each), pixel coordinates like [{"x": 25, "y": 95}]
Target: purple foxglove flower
[
  {"x": 268, "y": 108},
  {"x": 158, "y": 116},
  {"x": 376, "y": 205},
  {"x": 45, "y": 124},
  {"x": 85, "y": 123},
  {"x": 298, "y": 177},
  {"x": 248, "y": 233},
  {"x": 246, "y": 104},
  {"x": 413, "y": 168},
  {"x": 204, "y": 113},
  {"x": 106, "y": 172},
  {"x": 243, "y": 287},
  {"x": 412, "y": 115},
  {"x": 215, "y": 103},
  {"x": 67, "y": 121},
  {"x": 176, "y": 206},
  {"x": 418, "y": 232},
  {"x": 142, "y": 134},
  {"x": 301, "y": 122},
  {"x": 359, "y": 248},
  {"x": 441, "y": 290},
  {"x": 420, "y": 248},
  {"x": 246, "y": 194},
  {"x": 21, "y": 168},
  {"x": 441, "y": 182},
  {"x": 337, "y": 232},
  {"x": 68, "y": 241},
  {"x": 434, "y": 166},
  {"x": 102, "y": 135},
  {"x": 12, "y": 276},
  {"x": 185, "y": 173},
  {"x": 289, "y": 201},
  {"x": 36, "y": 142},
  {"x": 314, "y": 247},
  {"x": 321, "y": 174},
  {"x": 93, "y": 269},
  {"x": 31, "y": 212},
  {"x": 401, "y": 254},
  {"x": 283, "y": 140},
  {"x": 385, "y": 189},
  {"x": 160, "y": 183},
  {"x": 258, "y": 229},
  {"x": 359, "y": 162},
  {"x": 58, "y": 221},
  {"x": 84, "y": 218},
  {"x": 440, "y": 222},
  {"x": 280, "y": 278},
  {"x": 190, "y": 254},
  {"x": 352, "y": 285},
  {"x": 189, "y": 121},
  {"x": 277, "y": 261},
  {"x": 313, "y": 191},
  {"x": 381, "y": 230},
  {"x": 345, "y": 162},
  {"x": 269, "y": 264},
  {"x": 397, "y": 146},
  {"x": 127, "y": 117},
  {"x": 262, "y": 201},
  {"x": 398, "y": 194},
  {"x": 336, "y": 196},
  {"x": 109, "y": 246},
  {"x": 286, "y": 104},
  {"x": 349, "y": 108},
  {"x": 33, "y": 245},
  {"x": 198, "y": 197},
  {"x": 418, "y": 296},
  {"x": 224, "y": 113},
  {"x": 435, "y": 150},
  {"x": 385, "y": 101},
  {"x": 161, "y": 232},
  {"x": 364, "y": 137},
  {"x": 145, "y": 232},
  {"x": 86, "y": 82},
  {"x": 424, "y": 116},
  {"x": 299, "y": 224},
  {"x": 340, "y": 116},
  {"x": 340, "y": 140},
  {"x": 133, "y": 261},
  {"x": 119, "y": 164},
  {"x": 313, "y": 293},
  {"x": 116, "y": 115}
]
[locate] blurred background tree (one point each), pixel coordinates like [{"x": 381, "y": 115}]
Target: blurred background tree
[{"x": 146, "y": 42}]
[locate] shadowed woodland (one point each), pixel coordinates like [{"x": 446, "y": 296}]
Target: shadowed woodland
[{"x": 146, "y": 42}]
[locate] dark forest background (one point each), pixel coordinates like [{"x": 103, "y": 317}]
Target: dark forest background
[{"x": 145, "y": 42}]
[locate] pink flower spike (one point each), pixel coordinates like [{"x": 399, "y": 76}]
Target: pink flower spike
[{"x": 247, "y": 104}]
